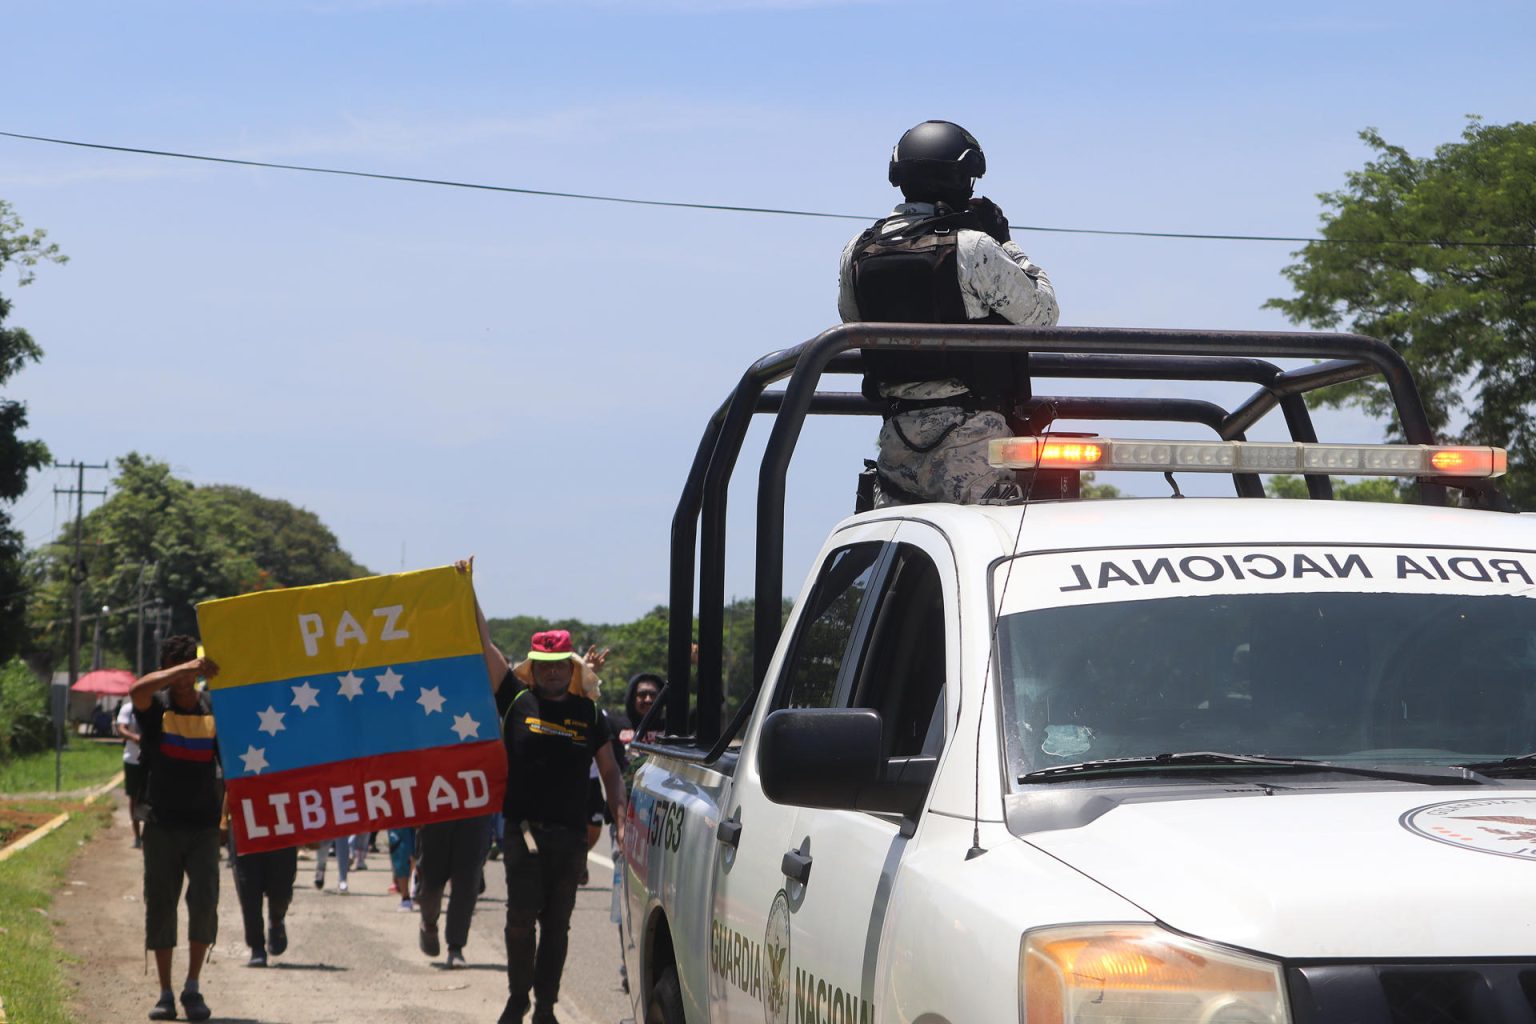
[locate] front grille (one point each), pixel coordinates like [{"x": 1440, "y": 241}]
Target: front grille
[
  {"x": 1433, "y": 997},
  {"x": 1494, "y": 992}
]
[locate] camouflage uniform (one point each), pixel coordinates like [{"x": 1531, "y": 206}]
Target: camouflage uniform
[
  {"x": 994, "y": 279},
  {"x": 955, "y": 469}
]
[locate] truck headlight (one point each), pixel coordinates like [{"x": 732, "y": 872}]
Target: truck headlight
[{"x": 1140, "y": 974}]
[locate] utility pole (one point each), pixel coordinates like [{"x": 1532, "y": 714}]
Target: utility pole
[
  {"x": 101, "y": 623},
  {"x": 76, "y": 578},
  {"x": 150, "y": 568},
  {"x": 162, "y": 622}
]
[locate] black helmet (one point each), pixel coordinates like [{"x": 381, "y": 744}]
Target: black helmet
[{"x": 938, "y": 157}]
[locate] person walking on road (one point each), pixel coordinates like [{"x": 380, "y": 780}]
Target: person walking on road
[
  {"x": 452, "y": 856},
  {"x": 551, "y": 731},
  {"x": 402, "y": 862},
  {"x": 127, "y": 726},
  {"x": 343, "y": 848},
  {"x": 184, "y": 793},
  {"x": 266, "y": 876},
  {"x": 551, "y": 736}
]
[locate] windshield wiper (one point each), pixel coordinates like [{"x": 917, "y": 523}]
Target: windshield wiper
[
  {"x": 1430, "y": 775},
  {"x": 1521, "y": 765}
]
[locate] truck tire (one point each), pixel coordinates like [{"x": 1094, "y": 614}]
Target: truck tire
[{"x": 666, "y": 1004}]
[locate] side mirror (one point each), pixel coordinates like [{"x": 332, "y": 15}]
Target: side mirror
[
  {"x": 819, "y": 757},
  {"x": 831, "y": 758}
]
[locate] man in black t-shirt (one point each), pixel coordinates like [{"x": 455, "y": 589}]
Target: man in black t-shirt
[
  {"x": 185, "y": 794},
  {"x": 552, "y": 736},
  {"x": 552, "y": 731}
]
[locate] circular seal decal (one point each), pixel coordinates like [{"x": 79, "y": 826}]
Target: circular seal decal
[
  {"x": 776, "y": 957},
  {"x": 1504, "y": 826}
]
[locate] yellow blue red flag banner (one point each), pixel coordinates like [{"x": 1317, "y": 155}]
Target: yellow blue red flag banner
[{"x": 350, "y": 707}]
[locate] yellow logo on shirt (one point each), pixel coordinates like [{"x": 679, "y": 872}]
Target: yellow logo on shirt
[{"x": 571, "y": 729}]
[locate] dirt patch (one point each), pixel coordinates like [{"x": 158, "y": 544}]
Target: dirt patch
[{"x": 16, "y": 822}]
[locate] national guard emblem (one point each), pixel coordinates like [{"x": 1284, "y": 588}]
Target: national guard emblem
[
  {"x": 1505, "y": 826},
  {"x": 776, "y": 955}
]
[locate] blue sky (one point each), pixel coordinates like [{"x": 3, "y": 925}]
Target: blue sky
[{"x": 437, "y": 372}]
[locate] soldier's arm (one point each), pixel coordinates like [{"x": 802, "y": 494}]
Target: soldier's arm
[
  {"x": 1003, "y": 280},
  {"x": 847, "y": 306}
]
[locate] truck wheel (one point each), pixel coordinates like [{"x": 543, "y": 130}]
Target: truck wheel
[{"x": 666, "y": 1005}]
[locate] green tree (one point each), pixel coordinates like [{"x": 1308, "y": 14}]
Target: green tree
[
  {"x": 24, "y": 723},
  {"x": 290, "y": 544},
  {"x": 1463, "y": 316},
  {"x": 1378, "y": 488},
  {"x": 638, "y": 646},
  {"x": 1092, "y": 490},
  {"x": 18, "y": 457},
  {"x": 188, "y": 544}
]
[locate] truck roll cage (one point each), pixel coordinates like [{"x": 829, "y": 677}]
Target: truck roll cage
[{"x": 1085, "y": 353}]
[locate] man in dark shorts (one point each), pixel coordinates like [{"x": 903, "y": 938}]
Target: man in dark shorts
[{"x": 184, "y": 794}]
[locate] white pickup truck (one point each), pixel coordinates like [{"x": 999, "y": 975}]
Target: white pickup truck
[{"x": 1206, "y": 761}]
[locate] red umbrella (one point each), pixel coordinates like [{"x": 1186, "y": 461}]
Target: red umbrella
[{"x": 110, "y": 682}]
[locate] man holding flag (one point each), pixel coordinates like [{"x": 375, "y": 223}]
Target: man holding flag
[
  {"x": 552, "y": 731},
  {"x": 181, "y": 836},
  {"x": 352, "y": 707}
]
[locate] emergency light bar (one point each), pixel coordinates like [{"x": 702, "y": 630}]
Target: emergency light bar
[{"x": 1103, "y": 453}]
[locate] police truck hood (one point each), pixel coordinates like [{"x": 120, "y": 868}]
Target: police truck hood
[{"x": 1426, "y": 871}]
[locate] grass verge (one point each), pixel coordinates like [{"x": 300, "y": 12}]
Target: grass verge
[
  {"x": 31, "y": 965},
  {"x": 83, "y": 764}
]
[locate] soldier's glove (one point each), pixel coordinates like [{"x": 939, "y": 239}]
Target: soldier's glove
[{"x": 989, "y": 218}]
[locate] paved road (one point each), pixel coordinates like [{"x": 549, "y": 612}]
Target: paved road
[{"x": 352, "y": 958}]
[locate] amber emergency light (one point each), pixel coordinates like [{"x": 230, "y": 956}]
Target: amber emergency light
[{"x": 1247, "y": 457}]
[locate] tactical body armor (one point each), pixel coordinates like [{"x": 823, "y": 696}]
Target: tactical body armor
[{"x": 913, "y": 276}]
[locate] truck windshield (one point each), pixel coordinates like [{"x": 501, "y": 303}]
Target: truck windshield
[{"x": 1366, "y": 677}]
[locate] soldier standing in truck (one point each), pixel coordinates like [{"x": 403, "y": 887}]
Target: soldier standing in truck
[{"x": 942, "y": 256}]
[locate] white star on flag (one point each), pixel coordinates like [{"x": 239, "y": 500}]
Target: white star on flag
[
  {"x": 466, "y": 726},
  {"x": 255, "y": 759},
  {"x": 389, "y": 683},
  {"x": 351, "y": 685},
  {"x": 304, "y": 696},
  {"x": 271, "y": 721},
  {"x": 430, "y": 699}
]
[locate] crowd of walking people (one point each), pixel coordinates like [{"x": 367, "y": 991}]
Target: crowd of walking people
[{"x": 566, "y": 758}]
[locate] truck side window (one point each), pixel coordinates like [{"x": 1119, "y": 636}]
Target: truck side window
[
  {"x": 821, "y": 644},
  {"x": 902, "y": 674}
]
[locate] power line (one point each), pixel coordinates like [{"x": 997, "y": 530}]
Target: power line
[
  {"x": 434, "y": 181},
  {"x": 632, "y": 201}
]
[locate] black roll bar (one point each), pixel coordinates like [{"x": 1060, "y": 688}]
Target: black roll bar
[{"x": 699, "y": 522}]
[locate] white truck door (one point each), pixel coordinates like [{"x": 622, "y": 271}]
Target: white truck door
[
  {"x": 905, "y": 654},
  {"x": 749, "y": 929}
]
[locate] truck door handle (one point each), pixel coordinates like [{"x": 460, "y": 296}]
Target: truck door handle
[
  {"x": 797, "y": 866},
  {"x": 729, "y": 830}
]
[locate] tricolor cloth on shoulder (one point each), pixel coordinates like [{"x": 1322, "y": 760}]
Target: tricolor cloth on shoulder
[{"x": 350, "y": 707}]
